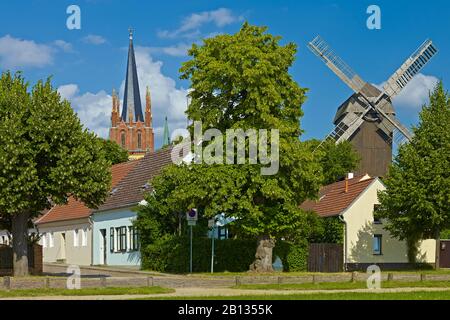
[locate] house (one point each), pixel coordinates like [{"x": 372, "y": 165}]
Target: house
[
  {"x": 66, "y": 230},
  {"x": 366, "y": 241},
  {"x": 115, "y": 240}
]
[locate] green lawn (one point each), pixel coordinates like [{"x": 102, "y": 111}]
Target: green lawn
[
  {"x": 344, "y": 285},
  {"x": 83, "y": 292},
  {"x": 419, "y": 295}
]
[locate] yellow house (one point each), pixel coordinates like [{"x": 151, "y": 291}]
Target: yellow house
[{"x": 366, "y": 241}]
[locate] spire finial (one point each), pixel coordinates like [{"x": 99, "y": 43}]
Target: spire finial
[
  {"x": 166, "y": 137},
  {"x": 130, "y": 31}
]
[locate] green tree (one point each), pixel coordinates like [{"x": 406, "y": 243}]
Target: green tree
[
  {"x": 416, "y": 201},
  {"x": 336, "y": 159},
  {"x": 114, "y": 152},
  {"x": 242, "y": 81},
  {"x": 46, "y": 156}
]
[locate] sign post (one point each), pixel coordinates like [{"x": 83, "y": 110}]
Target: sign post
[
  {"x": 212, "y": 224},
  {"x": 191, "y": 217}
]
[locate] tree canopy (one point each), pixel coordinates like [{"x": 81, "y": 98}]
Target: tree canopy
[
  {"x": 416, "y": 201},
  {"x": 243, "y": 81},
  {"x": 114, "y": 152},
  {"x": 336, "y": 160},
  {"x": 46, "y": 156}
]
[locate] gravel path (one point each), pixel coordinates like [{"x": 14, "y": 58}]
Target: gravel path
[{"x": 204, "y": 292}]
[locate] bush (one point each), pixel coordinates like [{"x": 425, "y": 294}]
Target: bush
[
  {"x": 171, "y": 254},
  {"x": 293, "y": 256}
]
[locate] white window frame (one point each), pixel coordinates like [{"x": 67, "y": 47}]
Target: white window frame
[
  {"x": 51, "y": 242},
  {"x": 75, "y": 238},
  {"x": 44, "y": 240},
  {"x": 84, "y": 237}
]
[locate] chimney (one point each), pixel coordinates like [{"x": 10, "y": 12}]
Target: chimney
[{"x": 348, "y": 177}]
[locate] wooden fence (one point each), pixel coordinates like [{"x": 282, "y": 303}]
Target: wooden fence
[
  {"x": 34, "y": 259},
  {"x": 325, "y": 257}
]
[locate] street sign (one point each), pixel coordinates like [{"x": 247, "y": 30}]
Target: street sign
[
  {"x": 211, "y": 223},
  {"x": 192, "y": 222},
  {"x": 192, "y": 215}
]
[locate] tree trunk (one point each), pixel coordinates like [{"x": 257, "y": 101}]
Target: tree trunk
[
  {"x": 438, "y": 249},
  {"x": 263, "y": 256},
  {"x": 20, "y": 244}
]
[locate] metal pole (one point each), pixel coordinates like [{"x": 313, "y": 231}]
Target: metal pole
[
  {"x": 212, "y": 249},
  {"x": 190, "y": 255}
]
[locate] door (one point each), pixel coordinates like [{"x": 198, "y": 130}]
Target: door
[
  {"x": 102, "y": 246},
  {"x": 445, "y": 254},
  {"x": 62, "y": 249}
]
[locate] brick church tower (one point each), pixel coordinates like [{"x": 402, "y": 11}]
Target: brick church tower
[{"x": 130, "y": 129}]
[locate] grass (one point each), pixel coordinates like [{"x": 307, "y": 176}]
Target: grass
[
  {"x": 83, "y": 291},
  {"x": 344, "y": 285},
  {"x": 418, "y": 295}
]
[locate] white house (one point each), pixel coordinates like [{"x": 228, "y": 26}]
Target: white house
[
  {"x": 66, "y": 231},
  {"x": 366, "y": 242},
  {"x": 115, "y": 239}
]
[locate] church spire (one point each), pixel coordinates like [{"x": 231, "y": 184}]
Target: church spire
[
  {"x": 132, "y": 98},
  {"x": 166, "y": 138}
]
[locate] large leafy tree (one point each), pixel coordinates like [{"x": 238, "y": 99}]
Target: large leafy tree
[
  {"x": 416, "y": 201},
  {"x": 336, "y": 160},
  {"x": 114, "y": 152},
  {"x": 242, "y": 81},
  {"x": 46, "y": 156}
]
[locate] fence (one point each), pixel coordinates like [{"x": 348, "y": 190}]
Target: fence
[
  {"x": 325, "y": 257},
  {"x": 34, "y": 259}
]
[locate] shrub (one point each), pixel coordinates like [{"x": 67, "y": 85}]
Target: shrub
[
  {"x": 171, "y": 254},
  {"x": 294, "y": 256}
]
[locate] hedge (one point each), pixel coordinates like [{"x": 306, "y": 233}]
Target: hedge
[{"x": 171, "y": 254}]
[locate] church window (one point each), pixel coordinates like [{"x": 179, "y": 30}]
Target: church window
[
  {"x": 139, "y": 140},
  {"x": 122, "y": 139}
]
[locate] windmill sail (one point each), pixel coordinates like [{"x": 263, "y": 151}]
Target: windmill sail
[
  {"x": 409, "y": 68},
  {"x": 321, "y": 49}
]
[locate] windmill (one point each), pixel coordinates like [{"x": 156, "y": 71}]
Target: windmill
[{"x": 367, "y": 119}]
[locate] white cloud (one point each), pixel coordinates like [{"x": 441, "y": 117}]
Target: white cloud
[
  {"x": 190, "y": 26},
  {"x": 68, "y": 91},
  {"x": 178, "y": 50},
  {"x": 94, "y": 109},
  {"x": 63, "y": 45},
  {"x": 19, "y": 53},
  {"x": 94, "y": 39},
  {"x": 415, "y": 94}
]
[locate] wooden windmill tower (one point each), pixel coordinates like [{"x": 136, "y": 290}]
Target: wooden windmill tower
[{"x": 367, "y": 119}]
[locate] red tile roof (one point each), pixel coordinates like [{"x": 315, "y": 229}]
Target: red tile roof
[
  {"x": 130, "y": 191},
  {"x": 333, "y": 199},
  {"x": 75, "y": 209}
]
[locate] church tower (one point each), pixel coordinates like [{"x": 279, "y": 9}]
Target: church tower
[{"x": 129, "y": 128}]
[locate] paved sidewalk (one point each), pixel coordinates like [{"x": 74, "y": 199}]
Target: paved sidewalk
[{"x": 205, "y": 292}]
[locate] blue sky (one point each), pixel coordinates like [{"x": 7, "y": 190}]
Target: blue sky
[{"x": 87, "y": 63}]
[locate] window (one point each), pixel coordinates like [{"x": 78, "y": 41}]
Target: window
[
  {"x": 377, "y": 239},
  {"x": 84, "y": 237},
  {"x": 44, "y": 240},
  {"x": 121, "y": 239},
  {"x": 376, "y": 218},
  {"x": 75, "y": 238},
  {"x": 134, "y": 238},
  {"x": 122, "y": 139},
  {"x": 112, "y": 246},
  {"x": 51, "y": 243},
  {"x": 139, "y": 140}
]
